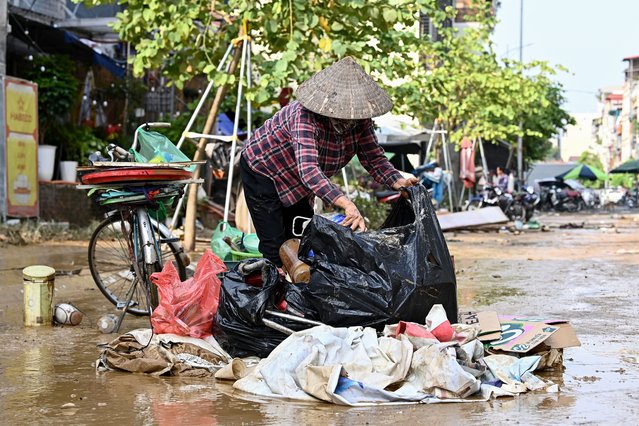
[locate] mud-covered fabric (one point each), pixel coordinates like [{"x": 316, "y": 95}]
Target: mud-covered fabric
[{"x": 141, "y": 351}]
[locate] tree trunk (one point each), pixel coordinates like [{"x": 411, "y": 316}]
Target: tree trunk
[{"x": 191, "y": 204}]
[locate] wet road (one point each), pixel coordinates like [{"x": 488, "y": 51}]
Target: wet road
[{"x": 589, "y": 276}]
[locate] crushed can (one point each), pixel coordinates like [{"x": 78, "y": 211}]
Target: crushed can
[{"x": 67, "y": 314}]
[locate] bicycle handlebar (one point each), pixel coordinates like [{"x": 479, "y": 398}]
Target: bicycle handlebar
[
  {"x": 147, "y": 126},
  {"x": 117, "y": 153},
  {"x": 156, "y": 124}
]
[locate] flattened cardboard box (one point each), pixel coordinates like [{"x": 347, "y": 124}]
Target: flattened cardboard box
[
  {"x": 524, "y": 334},
  {"x": 490, "y": 328}
]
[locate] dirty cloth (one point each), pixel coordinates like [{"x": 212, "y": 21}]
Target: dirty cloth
[
  {"x": 352, "y": 366},
  {"x": 141, "y": 351}
]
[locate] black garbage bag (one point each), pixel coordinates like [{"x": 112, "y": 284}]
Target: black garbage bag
[
  {"x": 238, "y": 326},
  {"x": 380, "y": 277}
]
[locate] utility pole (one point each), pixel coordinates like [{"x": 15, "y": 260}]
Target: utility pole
[
  {"x": 3, "y": 37},
  {"x": 3, "y": 72},
  {"x": 520, "y": 142}
]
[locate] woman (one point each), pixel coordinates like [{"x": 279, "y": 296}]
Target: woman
[{"x": 289, "y": 160}]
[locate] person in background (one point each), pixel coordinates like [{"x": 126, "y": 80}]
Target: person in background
[
  {"x": 289, "y": 160},
  {"x": 500, "y": 179},
  {"x": 432, "y": 176}
]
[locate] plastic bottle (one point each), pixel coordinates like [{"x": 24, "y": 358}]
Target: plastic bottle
[
  {"x": 299, "y": 271},
  {"x": 107, "y": 323}
]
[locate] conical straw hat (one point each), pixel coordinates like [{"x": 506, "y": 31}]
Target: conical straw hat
[{"x": 345, "y": 91}]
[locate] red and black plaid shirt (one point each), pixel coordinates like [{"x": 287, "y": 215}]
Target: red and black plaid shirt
[{"x": 299, "y": 151}]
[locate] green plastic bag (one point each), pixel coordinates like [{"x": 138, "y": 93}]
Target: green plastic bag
[
  {"x": 219, "y": 247},
  {"x": 157, "y": 148}
]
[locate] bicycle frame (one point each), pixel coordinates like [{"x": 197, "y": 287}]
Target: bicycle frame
[
  {"x": 146, "y": 236},
  {"x": 174, "y": 244},
  {"x": 141, "y": 233}
]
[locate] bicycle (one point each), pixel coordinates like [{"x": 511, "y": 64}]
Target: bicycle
[{"x": 129, "y": 244}]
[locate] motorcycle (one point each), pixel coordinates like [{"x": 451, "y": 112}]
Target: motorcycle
[
  {"x": 568, "y": 200},
  {"x": 529, "y": 201},
  {"x": 493, "y": 196},
  {"x": 520, "y": 206},
  {"x": 630, "y": 198}
]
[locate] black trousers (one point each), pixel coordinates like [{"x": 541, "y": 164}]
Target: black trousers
[{"x": 273, "y": 221}]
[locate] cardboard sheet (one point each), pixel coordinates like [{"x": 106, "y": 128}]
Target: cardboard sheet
[
  {"x": 472, "y": 218},
  {"x": 488, "y": 323},
  {"x": 522, "y": 336},
  {"x": 564, "y": 337}
]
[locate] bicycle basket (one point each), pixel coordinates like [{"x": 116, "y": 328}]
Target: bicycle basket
[{"x": 157, "y": 148}]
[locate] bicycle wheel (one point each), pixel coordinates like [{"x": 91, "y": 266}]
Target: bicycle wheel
[{"x": 111, "y": 265}]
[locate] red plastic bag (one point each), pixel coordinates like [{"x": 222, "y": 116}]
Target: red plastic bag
[{"x": 188, "y": 308}]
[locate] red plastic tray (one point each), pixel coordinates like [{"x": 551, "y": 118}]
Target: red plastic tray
[{"x": 135, "y": 174}]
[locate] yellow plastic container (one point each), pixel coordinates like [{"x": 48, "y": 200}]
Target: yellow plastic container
[{"x": 38, "y": 283}]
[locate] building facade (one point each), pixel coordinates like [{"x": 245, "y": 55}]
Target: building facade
[{"x": 616, "y": 124}]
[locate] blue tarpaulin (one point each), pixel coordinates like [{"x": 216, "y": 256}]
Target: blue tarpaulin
[{"x": 99, "y": 59}]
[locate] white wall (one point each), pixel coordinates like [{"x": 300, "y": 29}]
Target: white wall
[{"x": 578, "y": 137}]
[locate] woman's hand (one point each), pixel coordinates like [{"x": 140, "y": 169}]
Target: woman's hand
[
  {"x": 411, "y": 181},
  {"x": 354, "y": 218}
]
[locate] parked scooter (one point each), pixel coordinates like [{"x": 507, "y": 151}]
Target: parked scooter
[
  {"x": 520, "y": 206},
  {"x": 630, "y": 198},
  {"x": 528, "y": 200},
  {"x": 568, "y": 200},
  {"x": 493, "y": 196}
]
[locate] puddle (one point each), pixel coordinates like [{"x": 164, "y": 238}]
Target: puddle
[{"x": 44, "y": 369}]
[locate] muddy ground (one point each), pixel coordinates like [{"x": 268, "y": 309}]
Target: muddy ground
[{"x": 588, "y": 275}]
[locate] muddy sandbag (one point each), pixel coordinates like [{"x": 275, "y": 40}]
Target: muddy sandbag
[
  {"x": 142, "y": 351},
  {"x": 380, "y": 277},
  {"x": 238, "y": 326}
]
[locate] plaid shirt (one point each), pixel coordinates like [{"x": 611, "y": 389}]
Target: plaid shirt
[{"x": 299, "y": 151}]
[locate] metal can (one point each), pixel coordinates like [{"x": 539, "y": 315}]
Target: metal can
[
  {"x": 38, "y": 283},
  {"x": 66, "y": 313}
]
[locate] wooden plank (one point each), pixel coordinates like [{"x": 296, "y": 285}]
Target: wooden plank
[{"x": 472, "y": 218}]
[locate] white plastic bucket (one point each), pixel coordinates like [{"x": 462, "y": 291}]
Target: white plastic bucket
[
  {"x": 68, "y": 170},
  {"x": 46, "y": 161}
]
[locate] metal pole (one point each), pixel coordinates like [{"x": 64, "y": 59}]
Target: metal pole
[
  {"x": 520, "y": 142},
  {"x": 277, "y": 327},
  {"x": 3, "y": 38},
  {"x": 293, "y": 318},
  {"x": 449, "y": 168},
  {"x": 203, "y": 98},
  {"x": 249, "y": 117},
  {"x": 180, "y": 203},
  {"x": 430, "y": 141},
  {"x": 345, "y": 181},
  {"x": 3, "y": 71},
  {"x": 484, "y": 164},
  {"x": 236, "y": 124}
]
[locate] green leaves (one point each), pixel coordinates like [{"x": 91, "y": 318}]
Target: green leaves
[
  {"x": 456, "y": 79},
  {"x": 390, "y": 15}
]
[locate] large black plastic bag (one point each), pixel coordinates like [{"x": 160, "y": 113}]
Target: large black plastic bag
[
  {"x": 380, "y": 277},
  {"x": 238, "y": 325}
]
